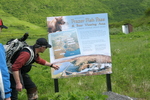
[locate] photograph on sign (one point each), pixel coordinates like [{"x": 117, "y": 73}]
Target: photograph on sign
[{"x": 80, "y": 45}]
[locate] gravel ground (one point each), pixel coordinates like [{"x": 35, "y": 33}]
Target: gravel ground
[{"x": 115, "y": 96}]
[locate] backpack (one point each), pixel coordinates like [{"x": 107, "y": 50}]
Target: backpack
[{"x": 13, "y": 47}]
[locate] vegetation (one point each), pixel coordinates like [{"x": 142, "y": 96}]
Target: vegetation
[
  {"x": 130, "y": 52},
  {"x": 130, "y": 58},
  {"x": 36, "y": 11}
]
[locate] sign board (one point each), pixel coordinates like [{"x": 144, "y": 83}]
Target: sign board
[{"x": 80, "y": 45}]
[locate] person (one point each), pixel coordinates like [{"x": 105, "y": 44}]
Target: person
[
  {"x": 20, "y": 78},
  {"x": 5, "y": 90},
  {"x": 2, "y": 25}
]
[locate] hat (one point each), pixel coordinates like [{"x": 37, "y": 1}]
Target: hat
[
  {"x": 1, "y": 24},
  {"x": 43, "y": 42}
]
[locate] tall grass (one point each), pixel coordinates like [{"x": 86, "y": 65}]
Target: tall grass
[
  {"x": 131, "y": 77},
  {"x": 131, "y": 60},
  {"x": 130, "y": 55}
]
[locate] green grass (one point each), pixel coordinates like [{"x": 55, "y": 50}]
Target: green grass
[
  {"x": 130, "y": 57},
  {"x": 130, "y": 60}
]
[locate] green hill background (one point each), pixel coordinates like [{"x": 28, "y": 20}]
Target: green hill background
[{"x": 36, "y": 11}]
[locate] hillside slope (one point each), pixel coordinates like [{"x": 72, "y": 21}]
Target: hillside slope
[{"x": 36, "y": 11}]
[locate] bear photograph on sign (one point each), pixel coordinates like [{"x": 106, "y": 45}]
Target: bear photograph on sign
[
  {"x": 55, "y": 24},
  {"x": 80, "y": 45}
]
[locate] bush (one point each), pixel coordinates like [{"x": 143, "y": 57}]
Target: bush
[
  {"x": 147, "y": 12},
  {"x": 142, "y": 28},
  {"x": 114, "y": 31}
]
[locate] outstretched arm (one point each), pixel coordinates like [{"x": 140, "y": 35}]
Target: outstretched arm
[
  {"x": 46, "y": 63},
  {"x": 56, "y": 67}
]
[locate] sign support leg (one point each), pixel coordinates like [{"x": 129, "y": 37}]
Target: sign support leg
[
  {"x": 108, "y": 80},
  {"x": 56, "y": 85}
]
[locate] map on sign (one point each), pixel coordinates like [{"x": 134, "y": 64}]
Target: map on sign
[{"x": 65, "y": 44}]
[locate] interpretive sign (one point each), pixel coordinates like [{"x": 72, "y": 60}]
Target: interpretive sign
[{"x": 80, "y": 45}]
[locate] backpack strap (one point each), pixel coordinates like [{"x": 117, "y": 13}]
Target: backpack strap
[{"x": 31, "y": 55}]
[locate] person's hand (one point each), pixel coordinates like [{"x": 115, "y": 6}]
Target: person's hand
[
  {"x": 19, "y": 87},
  {"x": 7, "y": 99},
  {"x": 56, "y": 67}
]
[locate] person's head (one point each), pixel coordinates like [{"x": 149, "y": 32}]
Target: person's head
[{"x": 42, "y": 44}]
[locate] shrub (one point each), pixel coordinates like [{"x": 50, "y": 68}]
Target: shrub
[{"x": 147, "y": 12}]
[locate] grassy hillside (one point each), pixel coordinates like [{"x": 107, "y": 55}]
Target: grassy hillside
[
  {"x": 30, "y": 15},
  {"x": 36, "y": 11},
  {"x": 17, "y": 27},
  {"x": 126, "y": 9}
]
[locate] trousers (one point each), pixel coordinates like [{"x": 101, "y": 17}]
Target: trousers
[{"x": 27, "y": 83}]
